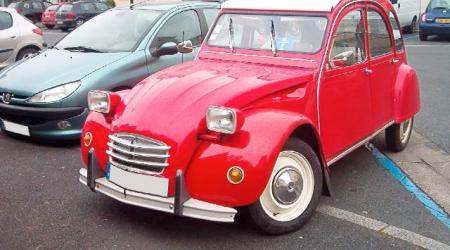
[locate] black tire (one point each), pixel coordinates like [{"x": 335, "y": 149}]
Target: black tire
[
  {"x": 79, "y": 22},
  {"x": 25, "y": 53},
  {"x": 394, "y": 140},
  {"x": 410, "y": 29},
  {"x": 423, "y": 37},
  {"x": 65, "y": 29},
  {"x": 50, "y": 26},
  {"x": 258, "y": 215}
]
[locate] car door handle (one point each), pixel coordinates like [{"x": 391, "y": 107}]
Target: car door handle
[
  {"x": 13, "y": 37},
  {"x": 368, "y": 71},
  {"x": 394, "y": 61}
]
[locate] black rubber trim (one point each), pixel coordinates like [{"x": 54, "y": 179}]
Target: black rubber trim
[
  {"x": 46, "y": 113},
  {"x": 93, "y": 170},
  {"x": 5, "y": 50},
  {"x": 181, "y": 195}
]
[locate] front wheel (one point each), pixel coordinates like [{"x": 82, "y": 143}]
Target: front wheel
[
  {"x": 423, "y": 37},
  {"x": 27, "y": 52},
  {"x": 292, "y": 192},
  {"x": 397, "y": 135}
]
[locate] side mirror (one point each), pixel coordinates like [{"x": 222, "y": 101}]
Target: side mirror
[
  {"x": 185, "y": 47},
  {"x": 345, "y": 58},
  {"x": 171, "y": 48},
  {"x": 168, "y": 48}
]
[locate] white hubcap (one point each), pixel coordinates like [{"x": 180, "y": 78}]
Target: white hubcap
[
  {"x": 290, "y": 188},
  {"x": 405, "y": 130}
]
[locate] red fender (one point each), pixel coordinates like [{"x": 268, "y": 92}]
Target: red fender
[
  {"x": 255, "y": 153},
  {"x": 406, "y": 93}
]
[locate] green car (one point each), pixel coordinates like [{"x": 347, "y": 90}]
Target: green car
[{"x": 44, "y": 96}]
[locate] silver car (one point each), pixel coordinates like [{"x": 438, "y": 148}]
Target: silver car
[{"x": 19, "y": 38}]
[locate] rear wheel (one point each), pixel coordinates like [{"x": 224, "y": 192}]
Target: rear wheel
[
  {"x": 292, "y": 192},
  {"x": 79, "y": 22},
  {"x": 412, "y": 26},
  {"x": 24, "y": 53},
  {"x": 397, "y": 135},
  {"x": 49, "y": 26}
]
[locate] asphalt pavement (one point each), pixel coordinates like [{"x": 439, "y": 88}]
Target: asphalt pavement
[
  {"x": 43, "y": 206},
  {"x": 431, "y": 59}
]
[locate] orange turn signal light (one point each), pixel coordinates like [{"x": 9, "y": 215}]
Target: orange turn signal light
[
  {"x": 87, "y": 139},
  {"x": 235, "y": 175}
]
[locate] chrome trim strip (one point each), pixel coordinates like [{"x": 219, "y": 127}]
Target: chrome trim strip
[
  {"x": 125, "y": 151},
  {"x": 191, "y": 208},
  {"x": 357, "y": 145},
  {"x": 258, "y": 56},
  {"x": 133, "y": 169},
  {"x": 144, "y": 163},
  {"x": 126, "y": 143}
]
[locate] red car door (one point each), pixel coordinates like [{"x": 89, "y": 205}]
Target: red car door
[
  {"x": 382, "y": 69},
  {"x": 345, "y": 109}
]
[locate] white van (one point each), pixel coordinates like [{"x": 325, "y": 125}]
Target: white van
[{"x": 408, "y": 12}]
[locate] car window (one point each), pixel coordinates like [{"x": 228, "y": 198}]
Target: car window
[
  {"x": 278, "y": 32},
  {"x": 181, "y": 27},
  {"x": 396, "y": 31},
  {"x": 101, "y": 6},
  {"x": 379, "y": 40},
  {"x": 86, "y": 7},
  {"x": 440, "y": 4},
  {"x": 37, "y": 5},
  {"x": 52, "y": 8},
  {"x": 65, "y": 7},
  {"x": 6, "y": 21},
  {"x": 46, "y": 4},
  {"x": 348, "y": 44},
  {"x": 210, "y": 16}
]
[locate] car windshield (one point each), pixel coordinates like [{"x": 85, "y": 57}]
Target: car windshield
[
  {"x": 440, "y": 4},
  {"x": 279, "y": 33},
  {"x": 52, "y": 8},
  {"x": 112, "y": 31},
  {"x": 65, "y": 7}
]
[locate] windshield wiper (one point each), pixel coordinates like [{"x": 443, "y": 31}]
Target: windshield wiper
[
  {"x": 231, "y": 34},
  {"x": 83, "y": 49},
  {"x": 272, "y": 38}
]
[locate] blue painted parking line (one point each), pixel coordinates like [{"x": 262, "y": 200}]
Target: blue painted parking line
[{"x": 429, "y": 204}]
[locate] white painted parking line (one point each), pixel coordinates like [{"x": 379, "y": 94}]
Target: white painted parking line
[
  {"x": 382, "y": 227},
  {"x": 427, "y": 45}
]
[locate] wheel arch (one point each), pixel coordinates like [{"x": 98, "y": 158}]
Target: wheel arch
[
  {"x": 307, "y": 133},
  {"x": 406, "y": 94},
  {"x": 30, "y": 46}
]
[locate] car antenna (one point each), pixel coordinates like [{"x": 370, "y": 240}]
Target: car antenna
[
  {"x": 231, "y": 34},
  {"x": 272, "y": 38}
]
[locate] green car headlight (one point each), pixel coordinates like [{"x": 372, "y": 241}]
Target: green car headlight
[{"x": 55, "y": 94}]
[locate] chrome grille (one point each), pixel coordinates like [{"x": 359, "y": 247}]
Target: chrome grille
[{"x": 137, "y": 153}]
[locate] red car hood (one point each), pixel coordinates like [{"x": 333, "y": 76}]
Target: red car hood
[{"x": 171, "y": 105}]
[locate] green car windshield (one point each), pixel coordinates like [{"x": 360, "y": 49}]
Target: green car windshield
[
  {"x": 285, "y": 33},
  {"x": 112, "y": 31}
]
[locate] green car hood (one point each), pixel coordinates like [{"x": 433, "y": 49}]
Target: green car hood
[{"x": 52, "y": 68}]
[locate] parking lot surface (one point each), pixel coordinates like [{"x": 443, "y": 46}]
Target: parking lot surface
[{"x": 43, "y": 206}]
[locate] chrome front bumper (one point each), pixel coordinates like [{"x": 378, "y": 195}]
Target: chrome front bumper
[{"x": 190, "y": 208}]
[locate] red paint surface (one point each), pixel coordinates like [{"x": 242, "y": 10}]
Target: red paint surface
[{"x": 275, "y": 96}]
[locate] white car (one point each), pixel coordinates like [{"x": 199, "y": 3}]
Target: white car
[
  {"x": 19, "y": 38},
  {"x": 408, "y": 12}
]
